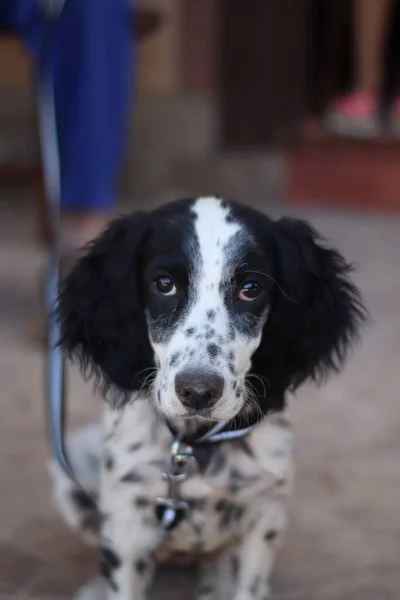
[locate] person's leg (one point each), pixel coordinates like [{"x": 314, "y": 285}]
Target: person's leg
[
  {"x": 92, "y": 78},
  {"x": 370, "y": 28},
  {"x": 357, "y": 113},
  {"x": 89, "y": 54}
]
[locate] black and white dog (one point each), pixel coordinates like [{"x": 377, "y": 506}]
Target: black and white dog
[{"x": 195, "y": 320}]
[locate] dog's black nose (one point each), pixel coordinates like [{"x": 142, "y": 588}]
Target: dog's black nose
[{"x": 199, "y": 391}]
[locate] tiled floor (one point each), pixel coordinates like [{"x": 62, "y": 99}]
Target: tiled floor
[{"x": 344, "y": 538}]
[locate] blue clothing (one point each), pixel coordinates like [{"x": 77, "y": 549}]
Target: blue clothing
[{"x": 89, "y": 51}]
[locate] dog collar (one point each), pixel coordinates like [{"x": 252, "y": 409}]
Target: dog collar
[{"x": 187, "y": 460}]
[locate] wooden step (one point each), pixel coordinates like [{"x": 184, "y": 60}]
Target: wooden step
[{"x": 345, "y": 173}]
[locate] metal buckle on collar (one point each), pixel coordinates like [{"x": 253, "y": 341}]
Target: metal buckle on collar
[{"x": 172, "y": 509}]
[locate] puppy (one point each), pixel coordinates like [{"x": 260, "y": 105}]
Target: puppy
[{"x": 195, "y": 320}]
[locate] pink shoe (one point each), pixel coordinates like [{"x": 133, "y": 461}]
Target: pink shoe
[{"x": 354, "y": 115}]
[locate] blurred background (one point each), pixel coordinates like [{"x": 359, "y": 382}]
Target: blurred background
[{"x": 292, "y": 107}]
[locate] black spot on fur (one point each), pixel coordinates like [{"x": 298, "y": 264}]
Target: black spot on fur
[
  {"x": 158, "y": 396},
  {"x": 134, "y": 447},
  {"x": 213, "y": 350},
  {"x": 131, "y": 477},
  {"x": 281, "y": 483},
  {"x": 83, "y": 500},
  {"x": 238, "y": 392},
  {"x": 231, "y": 367},
  {"x": 141, "y": 566},
  {"x": 109, "y": 562},
  {"x": 239, "y": 480},
  {"x": 271, "y": 535},
  {"x": 210, "y": 334},
  {"x": 230, "y": 514},
  {"x": 174, "y": 359},
  {"x": 196, "y": 503},
  {"x": 211, "y": 315},
  {"x": 109, "y": 462},
  {"x": 141, "y": 502},
  {"x": 220, "y": 505},
  {"x": 190, "y": 331}
]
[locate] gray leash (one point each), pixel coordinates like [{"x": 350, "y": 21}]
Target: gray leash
[{"x": 55, "y": 388}]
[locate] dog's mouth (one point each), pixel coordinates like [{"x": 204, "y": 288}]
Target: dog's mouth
[{"x": 202, "y": 413}]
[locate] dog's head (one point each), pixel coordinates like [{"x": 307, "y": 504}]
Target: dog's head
[{"x": 213, "y": 306}]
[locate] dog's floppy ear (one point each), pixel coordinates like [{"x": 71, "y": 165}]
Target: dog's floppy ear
[
  {"x": 101, "y": 310},
  {"x": 316, "y": 310}
]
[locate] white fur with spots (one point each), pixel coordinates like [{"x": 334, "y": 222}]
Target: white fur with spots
[{"x": 238, "y": 505}]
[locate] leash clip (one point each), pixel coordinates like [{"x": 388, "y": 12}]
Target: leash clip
[{"x": 172, "y": 509}]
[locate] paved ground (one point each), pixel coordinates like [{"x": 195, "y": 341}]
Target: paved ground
[{"x": 344, "y": 539}]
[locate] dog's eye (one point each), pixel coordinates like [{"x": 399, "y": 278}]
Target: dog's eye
[
  {"x": 249, "y": 291},
  {"x": 165, "y": 285}
]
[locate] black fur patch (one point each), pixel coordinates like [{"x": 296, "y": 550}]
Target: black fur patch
[
  {"x": 134, "y": 447},
  {"x": 213, "y": 350},
  {"x": 132, "y": 477},
  {"x": 271, "y": 535},
  {"x": 83, "y": 500},
  {"x": 230, "y": 512},
  {"x": 141, "y": 502},
  {"x": 109, "y": 562},
  {"x": 174, "y": 359},
  {"x": 108, "y": 462},
  {"x": 239, "y": 480}
]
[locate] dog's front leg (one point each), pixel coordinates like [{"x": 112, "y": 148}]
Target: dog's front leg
[
  {"x": 126, "y": 562},
  {"x": 255, "y": 555},
  {"x": 129, "y": 536}
]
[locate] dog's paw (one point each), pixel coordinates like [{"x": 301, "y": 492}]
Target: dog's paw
[{"x": 95, "y": 590}]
